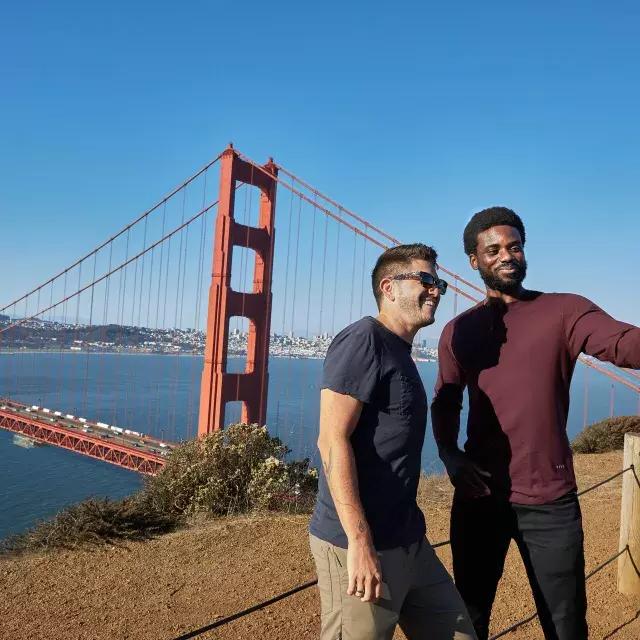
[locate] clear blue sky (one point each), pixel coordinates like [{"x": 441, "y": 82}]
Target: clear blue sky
[{"x": 413, "y": 114}]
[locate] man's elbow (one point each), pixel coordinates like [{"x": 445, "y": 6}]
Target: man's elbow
[
  {"x": 331, "y": 439},
  {"x": 323, "y": 442}
]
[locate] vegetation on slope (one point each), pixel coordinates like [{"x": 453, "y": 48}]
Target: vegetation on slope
[
  {"x": 606, "y": 435},
  {"x": 239, "y": 470}
]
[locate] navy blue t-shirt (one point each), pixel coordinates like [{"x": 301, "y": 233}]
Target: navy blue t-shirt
[{"x": 371, "y": 363}]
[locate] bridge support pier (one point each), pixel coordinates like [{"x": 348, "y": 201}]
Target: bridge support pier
[{"x": 250, "y": 387}]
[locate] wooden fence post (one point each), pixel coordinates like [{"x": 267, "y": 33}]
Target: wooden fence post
[{"x": 629, "y": 563}]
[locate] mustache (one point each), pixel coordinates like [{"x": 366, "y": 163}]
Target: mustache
[{"x": 510, "y": 265}]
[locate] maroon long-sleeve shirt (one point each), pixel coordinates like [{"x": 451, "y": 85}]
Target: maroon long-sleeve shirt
[{"x": 517, "y": 360}]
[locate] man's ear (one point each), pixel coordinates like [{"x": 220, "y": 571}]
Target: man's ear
[
  {"x": 386, "y": 288},
  {"x": 473, "y": 261}
]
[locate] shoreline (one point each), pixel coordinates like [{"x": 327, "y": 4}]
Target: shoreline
[{"x": 150, "y": 353}]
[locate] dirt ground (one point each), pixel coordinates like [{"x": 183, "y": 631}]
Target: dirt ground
[{"x": 181, "y": 582}]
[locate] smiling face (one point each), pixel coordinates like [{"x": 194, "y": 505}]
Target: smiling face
[
  {"x": 499, "y": 258},
  {"x": 412, "y": 302}
]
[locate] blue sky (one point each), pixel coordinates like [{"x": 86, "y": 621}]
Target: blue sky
[{"x": 413, "y": 114}]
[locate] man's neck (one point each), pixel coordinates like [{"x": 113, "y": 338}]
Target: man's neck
[
  {"x": 508, "y": 297},
  {"x": 397, "y": 326}
]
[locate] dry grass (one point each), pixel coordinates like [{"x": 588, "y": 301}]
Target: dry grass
[{"x": 93, "y": 522}]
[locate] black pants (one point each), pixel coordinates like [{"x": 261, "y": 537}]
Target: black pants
[{"x": 550, "y": 540}]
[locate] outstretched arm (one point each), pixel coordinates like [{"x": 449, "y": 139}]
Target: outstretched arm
[
  {"x": 339, "y": 416},
  {"x": 596, "y": 333}
]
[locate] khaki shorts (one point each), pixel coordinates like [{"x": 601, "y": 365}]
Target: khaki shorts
[{"x": 418, "y": 594}]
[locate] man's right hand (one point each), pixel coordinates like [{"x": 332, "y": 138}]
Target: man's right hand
[
  {"x": 465, "y": 476},
  {"x": 363, "y": 567}
]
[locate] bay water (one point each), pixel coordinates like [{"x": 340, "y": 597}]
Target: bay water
[{"x": 158, "y": 394}]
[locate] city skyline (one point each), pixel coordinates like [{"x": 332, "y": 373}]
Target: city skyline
[{"x": 32, "y": 337}]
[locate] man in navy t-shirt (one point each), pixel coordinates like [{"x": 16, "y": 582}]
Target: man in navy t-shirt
[{"x": 375, "y": 568}]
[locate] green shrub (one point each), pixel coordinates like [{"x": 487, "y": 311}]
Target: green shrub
[
  {"x": 607, "y": 435},
  {"x": 237, "y": 470}
]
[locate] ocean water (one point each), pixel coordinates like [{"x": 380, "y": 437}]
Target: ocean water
[{"x": 159, "y": 394}]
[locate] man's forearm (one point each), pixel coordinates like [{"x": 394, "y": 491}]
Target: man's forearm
[
  {"x": 445, "y": 419},
  {"x": 340, "y": 471}
]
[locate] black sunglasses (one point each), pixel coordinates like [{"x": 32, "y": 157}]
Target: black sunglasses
[{"x": 426, "y": 280}]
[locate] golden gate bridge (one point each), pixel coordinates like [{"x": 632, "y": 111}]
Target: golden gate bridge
[{"x": 147, "y": 289}]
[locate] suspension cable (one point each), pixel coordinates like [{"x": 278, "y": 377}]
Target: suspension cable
[
  {"x": 116, "y": 269},
  {"x": 119, "y": 233}
]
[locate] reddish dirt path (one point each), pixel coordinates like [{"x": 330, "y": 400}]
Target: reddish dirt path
[{"x": 183, "y": 581}]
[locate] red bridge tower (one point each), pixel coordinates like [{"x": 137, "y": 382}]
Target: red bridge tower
[{"x": 218, "y": 386}]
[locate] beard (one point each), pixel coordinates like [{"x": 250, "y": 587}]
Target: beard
[
  {"x": 413, "y": 309},
  {"x": 504, "y": 283}
]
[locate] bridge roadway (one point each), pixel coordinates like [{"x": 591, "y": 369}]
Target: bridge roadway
[{"x": 124, "y": 448}]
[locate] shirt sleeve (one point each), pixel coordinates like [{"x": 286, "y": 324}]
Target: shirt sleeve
[
  {"x": 592, "y": 331},
  {"x": 352, "y": 365},
  {"x": 447, "y": 400}
]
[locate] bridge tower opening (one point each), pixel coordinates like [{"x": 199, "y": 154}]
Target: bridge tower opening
[{"x": 218, "y": 385}]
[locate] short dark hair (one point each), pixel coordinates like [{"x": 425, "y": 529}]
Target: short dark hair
[
  {"x": 393, "y": 260},
  {"x": 487, "y": 218}
]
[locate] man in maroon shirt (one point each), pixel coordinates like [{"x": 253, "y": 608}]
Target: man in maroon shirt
[{"x": 516, "y": 352}]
